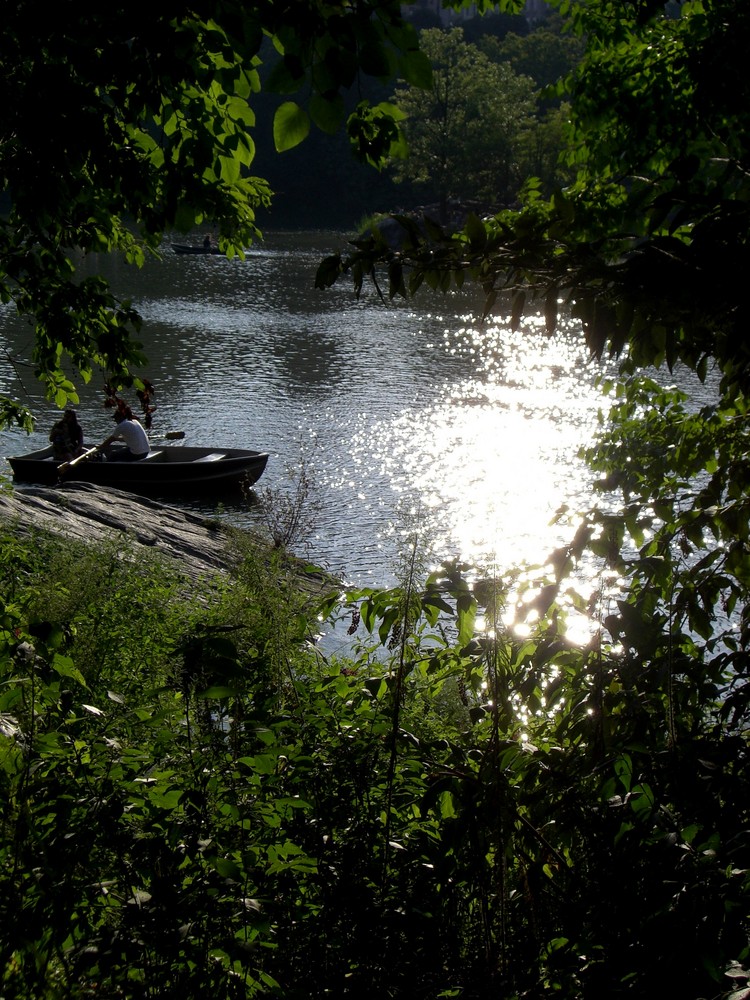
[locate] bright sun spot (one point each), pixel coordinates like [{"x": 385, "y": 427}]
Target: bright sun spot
[{"x": 491, "y": 462}]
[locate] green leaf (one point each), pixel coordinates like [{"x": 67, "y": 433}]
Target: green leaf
[
  {"x": 229, "y": 169},
  {"x": 217, "y": 692},
  {"x": 375, "y": 59},
  {"x": 476, "y": 232},
  {"x": 227, "y": 869},
  {"x": 291, "y": 126},
  {"x": 328, "y": 271},
  {"x": 447, "y": 805},
  {"x": 327, "y": 113},
  {"x": 416, "y": 69},
  {"x": 65, "y": 667}
]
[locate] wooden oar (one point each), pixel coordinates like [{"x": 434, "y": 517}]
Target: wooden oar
[{"x": 74, "y": 461}]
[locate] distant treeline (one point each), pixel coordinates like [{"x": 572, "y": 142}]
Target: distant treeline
[{"x": 320, "y": 184}]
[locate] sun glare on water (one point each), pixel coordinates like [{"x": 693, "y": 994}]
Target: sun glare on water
[{"x": 493, "y": 460}]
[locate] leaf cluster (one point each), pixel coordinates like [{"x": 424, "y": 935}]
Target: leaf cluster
[
  {"x": 467, "y": 802},
  {"x": 464, "y": 130},
  {"x": 117, "y": 128},
  {"x": 648, "y": 244}
]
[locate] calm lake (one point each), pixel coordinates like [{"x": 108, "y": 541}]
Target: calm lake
[{"x": 404, "y": 414}]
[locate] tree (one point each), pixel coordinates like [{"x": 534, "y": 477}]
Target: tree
[
  {"x": 539, "y": 148},
  {"x": 116, "y": 127},
  {"x": 463, "y": 131},
  {"x": 493, "y": 26},
  {"x": 545, "y": 54},
  {"x": 649, "y": 245}
]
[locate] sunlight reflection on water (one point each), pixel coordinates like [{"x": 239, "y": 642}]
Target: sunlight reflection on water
[
  {"x": 490, "y": 463},
  {"x": 394, "y": 406}
]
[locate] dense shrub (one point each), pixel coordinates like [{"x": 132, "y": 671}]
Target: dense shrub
[{"x": 196, "y": 801}]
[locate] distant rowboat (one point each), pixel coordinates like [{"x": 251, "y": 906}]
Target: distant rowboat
[{"x": 192, "y": 248}]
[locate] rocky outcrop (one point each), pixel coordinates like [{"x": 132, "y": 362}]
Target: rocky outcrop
[
  {"x": 86, "y": 513},
  {"x": 198, "y": 546}
]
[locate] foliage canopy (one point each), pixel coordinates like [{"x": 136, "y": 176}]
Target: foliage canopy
[
  {"x": 649, "y": 244},
  {"x": 464, "y": 131},
  {"x": 116, "y": 127},
  {"x": 198, "y": 802}
]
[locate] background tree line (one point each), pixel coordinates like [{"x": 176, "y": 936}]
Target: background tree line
[{"x": 489, "y": 121}]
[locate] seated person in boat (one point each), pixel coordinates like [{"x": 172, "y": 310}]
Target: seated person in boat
[
  {"x": 67, "y": 437},
  {"x": 130, "y": 431}
]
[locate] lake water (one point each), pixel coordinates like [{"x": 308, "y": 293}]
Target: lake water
[{"x": 404, "y": 414}]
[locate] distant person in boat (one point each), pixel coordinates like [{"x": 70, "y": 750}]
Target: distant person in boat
[
  {"x": 130, "y": 431},
  {"x": 67, "y": 437},
  {"x": 208, "y": 241}
]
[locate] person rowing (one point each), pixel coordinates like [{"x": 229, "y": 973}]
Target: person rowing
[
  {"x": 130, "y": 431},
  {"x": 67, "y": 437}
]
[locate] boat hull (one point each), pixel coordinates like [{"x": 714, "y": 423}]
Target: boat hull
[
  {"x": 164, "y": 470},
  {"x": 191, "y": 248}
]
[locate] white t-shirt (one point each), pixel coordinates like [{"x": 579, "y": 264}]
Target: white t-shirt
[{"x": 134, "y": 436}]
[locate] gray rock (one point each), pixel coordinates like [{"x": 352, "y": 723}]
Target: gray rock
[{"x": 86, "y": 513}]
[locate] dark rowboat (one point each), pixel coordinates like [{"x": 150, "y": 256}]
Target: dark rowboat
[
  {"x": 165, "y": 469},
  {"x": 192, "y": 248}
]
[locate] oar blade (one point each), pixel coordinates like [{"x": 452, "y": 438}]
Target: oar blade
[{"x": 65, "y": 466}]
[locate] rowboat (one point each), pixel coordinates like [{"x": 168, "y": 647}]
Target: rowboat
[
  {"x": 162, "y": 470},
  {"x": 193, "y": 248}
]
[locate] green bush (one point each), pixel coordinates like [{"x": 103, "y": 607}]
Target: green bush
[{"x": 197, "y": 801}]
